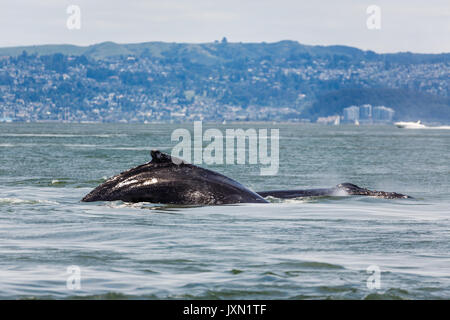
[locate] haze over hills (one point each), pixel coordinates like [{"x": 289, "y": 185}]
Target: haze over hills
[
  {"x": 158, "y": 81},
  {"x": 158, "y": 49}
]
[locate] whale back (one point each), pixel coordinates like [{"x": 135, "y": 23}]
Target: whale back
[
  {"x": 342, "y": 189},
  {"x": 170, "y": 180}
]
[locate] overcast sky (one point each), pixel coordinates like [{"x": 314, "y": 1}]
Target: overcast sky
[{"x": 406, "y": 25}]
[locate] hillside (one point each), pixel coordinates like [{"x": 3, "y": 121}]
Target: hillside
[
  {"x": 224, "y": 51},
  {"x": 158, "y": 81}
]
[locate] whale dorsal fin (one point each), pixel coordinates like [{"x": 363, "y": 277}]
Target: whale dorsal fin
[{"x": 160, "y": 157}]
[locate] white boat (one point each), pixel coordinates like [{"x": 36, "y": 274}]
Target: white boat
[
  {"x": 337, "y": 121},
  {"x": 410, "y": 125},
  {"x": 356, "y": 122}
]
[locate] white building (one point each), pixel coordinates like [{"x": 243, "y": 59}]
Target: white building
[
  {"x": 365, "y": 112},
  {"x": 351, "y": 114},
  {"x": 383, "y": 114}
]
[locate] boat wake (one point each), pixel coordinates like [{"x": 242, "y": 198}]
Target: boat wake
[{"x": 418, "y": 125}]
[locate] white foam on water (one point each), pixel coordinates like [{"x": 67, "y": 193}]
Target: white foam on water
[
  {"x": 25, "y": 201},
  {"x": 61, "y": 135},
  {"x": 340, "y": 193},
  {"x": 428, "y": 128}
]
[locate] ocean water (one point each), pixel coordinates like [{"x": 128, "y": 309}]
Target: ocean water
[{"x": 316, "y": 248}]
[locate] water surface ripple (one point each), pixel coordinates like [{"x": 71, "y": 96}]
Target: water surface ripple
[{"x": 295, "y": 249}]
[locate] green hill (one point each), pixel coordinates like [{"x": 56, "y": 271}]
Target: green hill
[{"x": 207, "y": 53}]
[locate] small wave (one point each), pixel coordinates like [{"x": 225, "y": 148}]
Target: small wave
[
  {"x": 68, "y": 145},
  {"x": 428, "y": 128},
  {"x": 319, "y": 265},
  {"x": 120, "y": 204},
  {"x": 340, "y": 193},
  {"x": 79, "y": 145},
  {"x": 310, "y": 265},
  {"x": 433, "y": 128},
  {"x": 25, "y": 201},
  {"x": 61, "y": 135},
  {"x": 126, "y": 148},
  {"x": 300, "y": 200},
  {"x": 279, "y": 200},
  {"x": 336, "y": 289},
  {"x": 230, "y": 294},
  {"x": 58, "y": 182},
  {"x": 112, "y": 296},
  {"x": 391, "y": 294},
  {"x": 160, "y": 208}
]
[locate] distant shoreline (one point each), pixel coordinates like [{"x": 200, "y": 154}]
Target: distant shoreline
[{"x": 216, "y": 123}]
